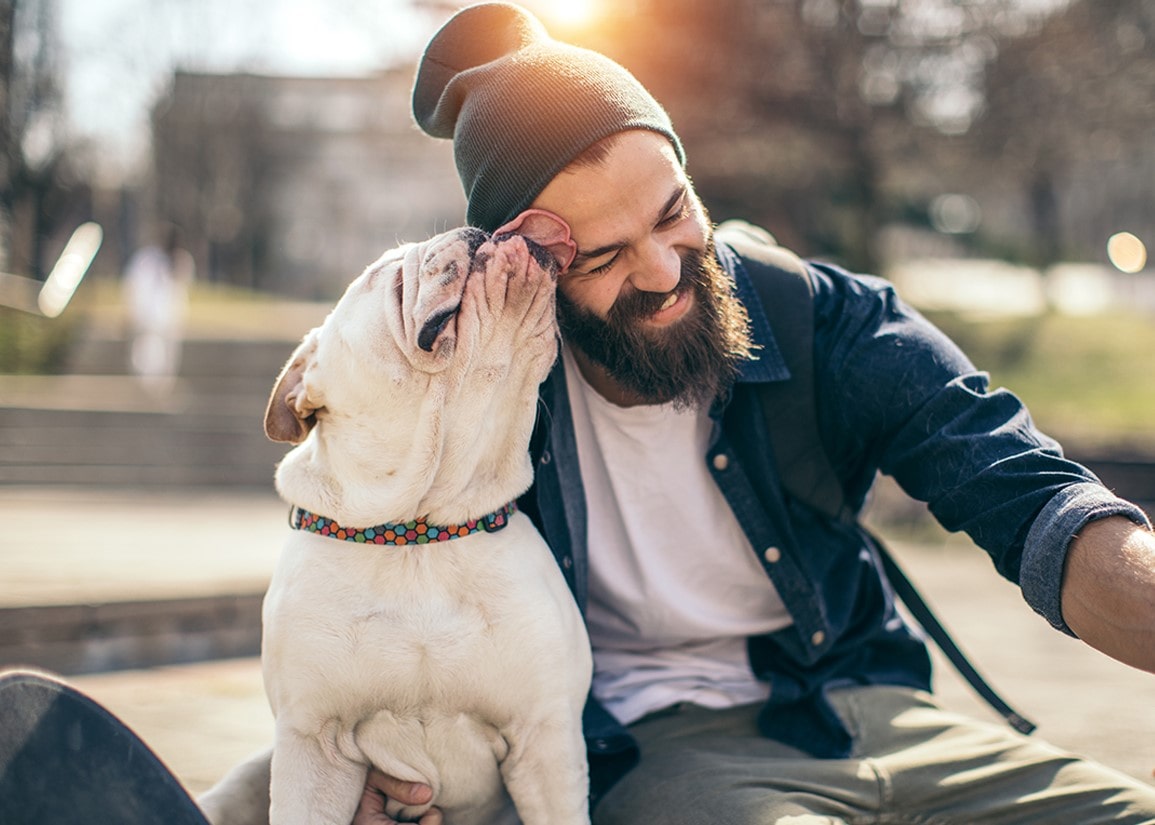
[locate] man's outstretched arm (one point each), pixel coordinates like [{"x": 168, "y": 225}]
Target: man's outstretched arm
[{"x": 1108, "y": 593}]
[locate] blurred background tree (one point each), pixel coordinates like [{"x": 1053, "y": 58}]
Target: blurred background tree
[
  {"x": 41, "y": 191},
  {"x": 814, "y": 117},
  {"x": 213, "y": 173},
  {"x": 1071, "y": 107},
  {"x": 859, "y": 131}
]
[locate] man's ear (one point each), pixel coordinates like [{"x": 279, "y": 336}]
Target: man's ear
[{"x": 291, "y": 414}]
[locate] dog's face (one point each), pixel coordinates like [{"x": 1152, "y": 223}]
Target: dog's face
[{"x": 421, "y": 383}]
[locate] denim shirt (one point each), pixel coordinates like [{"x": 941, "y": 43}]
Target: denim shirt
[{"x": 894, "y": 395}]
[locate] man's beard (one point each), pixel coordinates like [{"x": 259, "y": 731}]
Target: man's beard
[{"x": 686, "y": 363}]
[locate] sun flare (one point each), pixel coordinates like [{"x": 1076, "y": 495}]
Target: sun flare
[{"x": 570, "y": 14}]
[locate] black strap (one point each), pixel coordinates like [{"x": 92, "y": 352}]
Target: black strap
[
  {"x": 922, "y": 613},
  {"x": 786, "y": 292},
  {"x": 789, "y": 406}
]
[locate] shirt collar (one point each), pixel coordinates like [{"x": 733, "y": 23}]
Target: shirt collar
[{"x": 767, "y": 363}]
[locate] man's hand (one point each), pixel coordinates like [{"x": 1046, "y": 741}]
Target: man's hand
[{"x": 379, "y": 788}]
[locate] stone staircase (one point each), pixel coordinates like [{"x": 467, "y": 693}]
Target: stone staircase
[{"x": 97, "y": 425}]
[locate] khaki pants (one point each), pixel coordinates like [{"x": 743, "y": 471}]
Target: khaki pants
[{"x": 913, "y": 763}]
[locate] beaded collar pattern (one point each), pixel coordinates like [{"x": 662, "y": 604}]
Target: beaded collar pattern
[{"x": 411, "y": 532}]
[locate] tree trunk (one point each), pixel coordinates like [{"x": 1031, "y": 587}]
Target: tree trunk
[
  {"x": 1044, "y": 216},
  {"x": 7, "y": 40}
]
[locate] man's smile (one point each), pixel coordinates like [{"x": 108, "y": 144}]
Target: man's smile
[{"x": 677, "y": 304}]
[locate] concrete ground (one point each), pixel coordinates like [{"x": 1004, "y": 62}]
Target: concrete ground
[{"x": 63, "y": 546}]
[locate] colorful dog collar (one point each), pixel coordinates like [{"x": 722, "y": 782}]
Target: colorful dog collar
[{"x": 410, "y": 532}]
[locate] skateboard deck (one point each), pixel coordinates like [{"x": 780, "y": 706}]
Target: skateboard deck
[{"x": 64, "y": 759}]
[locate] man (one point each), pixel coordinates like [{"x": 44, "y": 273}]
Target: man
[{"x": 750, "y": 665}]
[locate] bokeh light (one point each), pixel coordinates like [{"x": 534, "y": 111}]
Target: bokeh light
[
  {"x": 955, "y": 214},
  {"x": 1127, "y": 252}
]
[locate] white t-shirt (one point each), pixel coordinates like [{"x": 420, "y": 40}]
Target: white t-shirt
[{"x": 675, "y": 587}]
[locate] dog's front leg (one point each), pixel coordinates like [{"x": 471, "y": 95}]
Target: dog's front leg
[
  {"x": 312, "y": 782},
  {"x": 547, "y": 776}
]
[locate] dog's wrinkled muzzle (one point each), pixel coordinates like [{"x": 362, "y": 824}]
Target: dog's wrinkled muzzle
[
  {"x": 546, "y": 238},
  {"x": 435, "y": 324}
]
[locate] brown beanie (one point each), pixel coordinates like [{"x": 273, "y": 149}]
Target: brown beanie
[{"x": 520, "y": 106}]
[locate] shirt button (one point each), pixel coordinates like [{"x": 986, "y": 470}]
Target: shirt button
[
  {"x": 721, "y": 461},
  {"x": 546, "y": 458},
  {"x": 818, "y": 638},
  {"x": 567, "y": 562},
  {"x": 772, "y": 554}
]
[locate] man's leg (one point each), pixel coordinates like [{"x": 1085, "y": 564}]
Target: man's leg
[
  {"x": 66, "y": 760},
  {"x": 945, "y": 767},
  {"x": 701, "y": 766},
  {"x": 913, "y": 762}
]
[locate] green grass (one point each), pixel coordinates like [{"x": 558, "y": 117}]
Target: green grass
[
  {"x": 214, "y": 311},
  {"x": 31, "y": 345}
]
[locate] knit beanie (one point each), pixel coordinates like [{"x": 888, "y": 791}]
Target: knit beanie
[{"x": 520, "y": 105}]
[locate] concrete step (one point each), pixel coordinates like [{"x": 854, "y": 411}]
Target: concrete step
[
  {"x": 200, "y": 358},
  {"x": 99, "y": 425},
  {"x": 39, "y": 446},
  {"x": 110, "y": 430},
  {"x": 96, "y": 638},
  {"x": 200, "y": 719},
  {"x": 96, "y": 578}
]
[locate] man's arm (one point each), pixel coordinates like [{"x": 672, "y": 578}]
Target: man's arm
[{"x": 1108, "y": 594}]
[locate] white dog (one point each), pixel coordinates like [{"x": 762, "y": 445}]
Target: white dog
[{"x": 416, "y": 621}]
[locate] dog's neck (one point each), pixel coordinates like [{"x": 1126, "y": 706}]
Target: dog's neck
[{"x": 337, "y": 472}]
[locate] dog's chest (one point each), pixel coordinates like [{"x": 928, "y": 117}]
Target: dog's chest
[{"x": 435, "y": 618}]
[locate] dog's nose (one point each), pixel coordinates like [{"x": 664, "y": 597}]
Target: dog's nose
[{"x": 538, "y": 252}]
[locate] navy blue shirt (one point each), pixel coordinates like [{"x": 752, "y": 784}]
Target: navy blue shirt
[{"x": 894, "y": 395}]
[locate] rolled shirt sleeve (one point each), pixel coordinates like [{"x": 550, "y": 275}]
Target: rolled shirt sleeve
[{"x": 1049, "y": 539}]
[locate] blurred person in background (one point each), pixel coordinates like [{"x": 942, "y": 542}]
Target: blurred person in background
[{"x": 156, "y": 286}]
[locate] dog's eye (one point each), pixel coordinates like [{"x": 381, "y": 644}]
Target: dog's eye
[{"x": 433, "y": 327}]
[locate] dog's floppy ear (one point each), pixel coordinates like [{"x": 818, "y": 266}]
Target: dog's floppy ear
[
  {"x": 547, "y": 230},
  {"x": 290, "y": 414}
]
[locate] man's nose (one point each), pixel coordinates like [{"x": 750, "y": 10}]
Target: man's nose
[{"x": 659, "y": 268}]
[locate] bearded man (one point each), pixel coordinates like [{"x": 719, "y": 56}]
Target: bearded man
[{"x": 750, "y": 665}]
